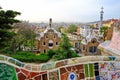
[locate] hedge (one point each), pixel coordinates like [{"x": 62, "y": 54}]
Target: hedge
[{"x": 26, "y": 56}]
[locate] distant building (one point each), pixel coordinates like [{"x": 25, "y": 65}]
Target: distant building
[
  {"x": 75, "y": 41},
  {"x": 89, "y": 45},
  {"x": 109, "y": 22},
  {"x": 48, "y": 39},
  {"x": 84, "y": 31},
  {"x": 78, "y": 30}
]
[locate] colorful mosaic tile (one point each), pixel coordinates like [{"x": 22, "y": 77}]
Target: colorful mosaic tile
[
  {"x": 77, "y": 70},
  {"x": 27, "y": 75},
  {"x": 109, "y": 70},
  {"x": 60, "y": 63},
  {"x": 47, "y": 66},
  {"x": 54, "y": 75},
  {"x": 89, "y": 70},
  {"x": 62, "y": 70}
]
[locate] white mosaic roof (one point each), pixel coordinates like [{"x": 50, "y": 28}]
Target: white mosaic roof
[{"x": 40, "y": 35}]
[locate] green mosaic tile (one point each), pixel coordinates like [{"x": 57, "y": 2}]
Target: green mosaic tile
[
  {"x": 7, "y": 72},
  {"x": 91, "y": 70},
  {"x": 86, "y": 70}
]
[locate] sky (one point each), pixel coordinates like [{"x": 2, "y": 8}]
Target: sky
[{"x": 63, "y": 10}]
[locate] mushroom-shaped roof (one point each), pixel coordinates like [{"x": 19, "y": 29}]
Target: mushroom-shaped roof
[
  {"x": 40, "y": 35},
  {"x": 89, "y": 38}
]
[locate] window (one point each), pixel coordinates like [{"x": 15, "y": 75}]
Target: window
[
  {"x": 77, "y": 45},
  {"x": 51, "y": 32},
  {"x": 83, "y": 47},
  {"x": 93, "y": 49},
  {"x": 56, "y": 43},
  {"x": 93, "y": 41},
  {"x": 46, "y": 36},
  {"x": 44, "y": 43},
  {"x": 54, "y": 37},
  {"x": 44, "y": 51},
  {"x": 50, "y": 44}
]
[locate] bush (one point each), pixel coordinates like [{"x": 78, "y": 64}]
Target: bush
[
  {"x": 51, "y": 53},
  {"x": 43, "y": 57},
  {"x": 65, "y": 54},
  {"x": 6, "y": 50},
  {"x": 26, "y": 56}
]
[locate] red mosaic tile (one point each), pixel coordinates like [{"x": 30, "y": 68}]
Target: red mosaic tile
[
  {"x": 64, "y": 76},
  {"x": 21, "y": 76},
  {"x": 25, "y": 72},
  {"x": 17, "y": 70},
  {"x": 81, "y": 76},
  {"x": 73, "y": 68},
  {"x": 33, "y": 74},
  {"x": 62, "y": 70},
  {"x": 38, "y": 77},
  {"x": 79, "y": 67},
  {"x": 68, "y": 68},
  {"x": 43, "y": 72}
]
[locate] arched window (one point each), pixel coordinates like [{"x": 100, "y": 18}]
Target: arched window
[
  {"x": 44, "y": 51},
  {"x": 44, "y": 43},
  {"x": 50, "y": 44},
  {"x": 93, "y": 41},
  {"x": 92, "y": 49},
  {"x": 46, "y": 37},
  {"x": 83, "y": 47},
  {"x": 56, "y": 43},
  {"x": 54, "y": 36}
]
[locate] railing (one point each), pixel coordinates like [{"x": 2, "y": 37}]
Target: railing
[{"x": 61, "y": 63}]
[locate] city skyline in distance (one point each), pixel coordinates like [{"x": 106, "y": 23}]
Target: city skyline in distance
[{"x": 63, "y": 10}]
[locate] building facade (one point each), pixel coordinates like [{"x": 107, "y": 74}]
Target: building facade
[
  {"x": 49, "y": 39},
  {"x": 75, "y": 41},
  {"x": 84, "y": 31},
  {"x": 89, "y": 45}
]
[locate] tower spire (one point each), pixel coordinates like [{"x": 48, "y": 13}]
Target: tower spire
[
  {"x": 50, "y": 22},
  {"x": 101, "y": 17}
]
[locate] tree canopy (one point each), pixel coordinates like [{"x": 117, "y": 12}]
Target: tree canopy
[
  {"x": 25, "y": 35},
  {"x": 72, "y": 28},
  {"x": 59, "y": 29},
  {"x": 104, "y": 31},
  {"x": 7, "y": 18},
  {"x": 64, "y": 49}
]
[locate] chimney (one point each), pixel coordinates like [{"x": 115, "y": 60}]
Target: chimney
[{"x": 50, "y": 23}]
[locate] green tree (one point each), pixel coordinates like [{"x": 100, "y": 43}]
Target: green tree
[
  {"x": 51, "y": 53},
  {"x": 72, "y": 28},
  {"x": 27, "y": 34},
  {"x": 16, "y": 42},
  {"x": 29, "y": 37},
  {"x": 59, "y": 29},
  {"x": 104, "y": 31},
  {"x": 7, "y": 18},
  {"x": 64, "y": 49}
]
